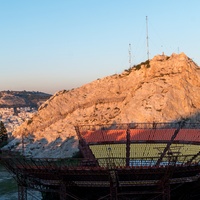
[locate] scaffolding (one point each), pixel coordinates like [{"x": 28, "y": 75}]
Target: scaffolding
[{"x": 119, "y": 161}]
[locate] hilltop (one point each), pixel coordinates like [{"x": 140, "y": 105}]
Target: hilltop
[{"x": 163, "y": 89}]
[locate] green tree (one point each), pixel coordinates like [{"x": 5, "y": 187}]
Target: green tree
[{"x": 3, "y": 131}]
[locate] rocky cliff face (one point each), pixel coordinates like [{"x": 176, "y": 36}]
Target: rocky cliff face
[{"x": 163, "y": 89}]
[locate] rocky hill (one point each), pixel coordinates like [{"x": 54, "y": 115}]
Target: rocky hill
[
  {"x": 11, "y": 99},
  {"x": 163, "y": 89}
]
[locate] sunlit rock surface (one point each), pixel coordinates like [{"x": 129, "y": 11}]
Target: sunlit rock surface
[{"x": 163, "y": 89}]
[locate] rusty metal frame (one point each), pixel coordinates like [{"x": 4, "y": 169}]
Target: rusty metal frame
[{"x": 59, "y": 175}]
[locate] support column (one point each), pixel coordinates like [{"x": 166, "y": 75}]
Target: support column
[
  {"x": 166, "y": 191},
  {"x": 63, "y": 191},
  {"x": 22, "y": 192},
  {"x": 128, "y": 142},
  {"x": 165, "y": 183},
  {"x": 113, "y": 185}
]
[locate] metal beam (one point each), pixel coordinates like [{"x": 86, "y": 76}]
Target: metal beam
[
  {"x": 84, "y": 147},
  {"x": 22, "y": 192},
  {"x": 193, "y": 158},
  {"x": 169, "y": 144}
]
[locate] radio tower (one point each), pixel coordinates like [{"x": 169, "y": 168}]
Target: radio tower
[
  {"x": 129, "y": 51},
  {"x": 147, "y": 38}
]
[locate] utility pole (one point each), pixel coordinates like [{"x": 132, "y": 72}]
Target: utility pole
[{"x": 147, "y": 37}]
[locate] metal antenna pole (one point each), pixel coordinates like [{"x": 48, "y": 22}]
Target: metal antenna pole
[
  {"x": 129, "y": 51},
  {"x": 147, "y": 38}
]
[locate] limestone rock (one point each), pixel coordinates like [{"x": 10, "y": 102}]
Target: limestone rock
[{"x": 163, "y": 89}]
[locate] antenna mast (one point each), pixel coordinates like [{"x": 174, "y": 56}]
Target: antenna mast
[
  {"x": 147, "y": 38},
  {"x": 129, "y": 51}
]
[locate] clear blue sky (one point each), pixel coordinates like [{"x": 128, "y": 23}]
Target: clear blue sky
[{"x": 51, "y": 45}]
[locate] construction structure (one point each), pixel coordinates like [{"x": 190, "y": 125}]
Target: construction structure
[{"x": 118, "y": 162}]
